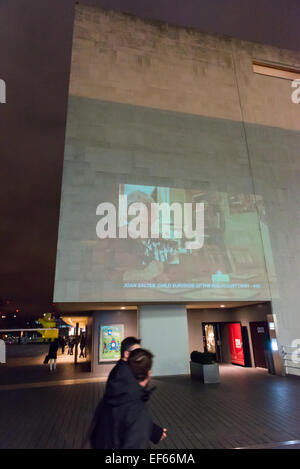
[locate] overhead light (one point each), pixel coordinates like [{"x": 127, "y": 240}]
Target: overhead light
[
  {"x": 222, "y": 306},
  {"x": 122, "y": 307}
]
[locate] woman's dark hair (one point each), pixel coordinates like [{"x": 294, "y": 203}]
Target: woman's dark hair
[
  {"x": 128, "y": 343},
  {"x": 140, "y": 362}
]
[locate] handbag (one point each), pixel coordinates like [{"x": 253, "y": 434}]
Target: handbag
[{"x": 46, "y": 360}]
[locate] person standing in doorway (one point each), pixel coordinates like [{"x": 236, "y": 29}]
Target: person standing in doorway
[
  {"x": 69, "y": 342},
  {"x": 52, "y": 354},
  {"x": 82, "y": 346},
  {"x": 63, "y": 344},
  {"x": 73, "y": 341}
]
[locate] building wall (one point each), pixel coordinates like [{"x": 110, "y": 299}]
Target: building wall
[
  {"x": 120, "y": 58},
  {"x": 164, "y": 330},
  {"x": 151, "y": 103}
]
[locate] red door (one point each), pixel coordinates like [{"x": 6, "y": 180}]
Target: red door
[
  {"x": 260, "y": 338},
  {"x": 236, "y": 343}
]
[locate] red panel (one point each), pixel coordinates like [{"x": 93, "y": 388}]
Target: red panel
[{"x": 236, "y": 344}]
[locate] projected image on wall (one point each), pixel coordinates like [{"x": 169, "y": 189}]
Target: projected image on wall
[
  {"x": 229, "y": 263},
  {"x": 127, "y": 152}
]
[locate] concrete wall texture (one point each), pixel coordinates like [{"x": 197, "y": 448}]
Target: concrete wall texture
[
  {"x": 164, "y": 330},
  {"x": 158, "y": 105}
]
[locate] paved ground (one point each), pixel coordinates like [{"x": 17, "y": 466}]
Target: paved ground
[{"x": 249, "y": 408}]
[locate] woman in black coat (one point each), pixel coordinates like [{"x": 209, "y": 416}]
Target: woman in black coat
[{"x": 52, "y": 354}]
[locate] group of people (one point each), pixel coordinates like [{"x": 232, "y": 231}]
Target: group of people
[
  {"x": 64, "y": 342},
  {"x": 122, "y": 420},
  {"x": 70, "y": 342}
]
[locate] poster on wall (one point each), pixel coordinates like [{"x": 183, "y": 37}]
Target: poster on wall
[
  {"x": 110, "y": 338},
  {"x": 236, "y": 344}
]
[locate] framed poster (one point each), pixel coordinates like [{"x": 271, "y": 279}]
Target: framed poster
[{"x": 110, "y": 338}]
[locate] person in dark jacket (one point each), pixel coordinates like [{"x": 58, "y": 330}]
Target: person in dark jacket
[
  {"x": 122, "y": 420},
  {"x": 63, "y": 344},
  {"x": 69, "y": 340},
  {"x": 120, "y": 372},
  {"x": 121, "y": 375},
  {"x": 71, "y": 344},
  {"x": 82, "y": 346},
  {"x": 121, "y": 368},
  {"x": 52, "y": 354}
]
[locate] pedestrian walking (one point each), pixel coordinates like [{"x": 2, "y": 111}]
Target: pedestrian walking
[
  {"x": 82, "y": 346},
  {"x": 63, "y": 344},
  {"x": 70, "y": 346},
  {"x": 52, "y": 354},
  {"x": 122, "y": 420}
]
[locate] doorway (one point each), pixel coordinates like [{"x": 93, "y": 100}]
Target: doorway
[
  {"x": 212, "y": 340},
  {"x": 235, "y": 334},
  {"x": 260, "y": 342},
  {"x": 228, "y": 342}
]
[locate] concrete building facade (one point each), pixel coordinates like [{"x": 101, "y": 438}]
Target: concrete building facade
[{"x": 180, "y": 116}]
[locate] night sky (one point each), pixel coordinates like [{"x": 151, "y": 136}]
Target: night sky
[{"x": 35, "y": 51}]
